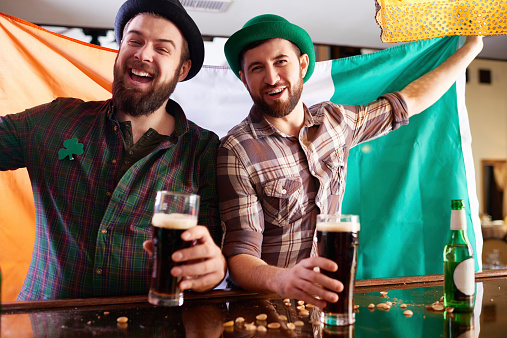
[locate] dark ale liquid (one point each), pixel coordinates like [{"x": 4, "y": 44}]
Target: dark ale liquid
[
  {"x": 341, "y": 247},
  {"x": 167, "y": 230},
  {"x": 165, "y": 242}
]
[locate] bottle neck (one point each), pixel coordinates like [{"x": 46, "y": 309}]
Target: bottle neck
[{"x": 458, "y": 220}]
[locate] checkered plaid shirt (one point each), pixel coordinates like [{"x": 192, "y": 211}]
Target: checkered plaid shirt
[
  {"x": 90, "y": 229},
  {"x": 272, "y": 185}
]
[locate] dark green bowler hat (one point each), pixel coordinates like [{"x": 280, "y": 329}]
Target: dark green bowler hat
[{"x": 268, "y": 26}]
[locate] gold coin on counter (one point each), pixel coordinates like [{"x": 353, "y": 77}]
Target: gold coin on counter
[
  {"x": 261, "y": 328},
  {"x": 122, "y": 319},
  {"x": 262, "y": 316},
  {"x": 274, "y": 325},
  {"x": 437, "y": 307}
]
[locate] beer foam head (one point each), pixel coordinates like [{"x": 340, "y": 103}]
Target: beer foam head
[
  {"x": 174, "y": 221},
  {"x": 338, "y": 226}
]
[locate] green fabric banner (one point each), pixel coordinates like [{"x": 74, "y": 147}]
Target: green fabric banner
[{"x": 402, "y": 184}]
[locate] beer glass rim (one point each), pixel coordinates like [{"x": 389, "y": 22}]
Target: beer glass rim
[
  {"x": 351, "y": 220},
  {"x": 175, "y": 193},
  {"x": 352, "y": 217}
]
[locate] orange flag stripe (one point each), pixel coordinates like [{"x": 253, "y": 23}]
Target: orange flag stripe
[{"x": 38, "y": 66}]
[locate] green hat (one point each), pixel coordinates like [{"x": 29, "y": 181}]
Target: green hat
[{"x": 268, "y": 26}]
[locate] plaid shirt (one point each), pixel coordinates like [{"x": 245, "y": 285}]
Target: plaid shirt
[
  {"x": 273, "y": 185},
  {"x": 90, "y": 228}
]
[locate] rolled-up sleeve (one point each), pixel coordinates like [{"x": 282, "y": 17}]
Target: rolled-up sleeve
[
  {"x": 240, "y": 208},
  {"x": 399, "y": 109}
]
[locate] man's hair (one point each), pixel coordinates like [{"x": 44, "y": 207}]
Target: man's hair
[
  {"x": 261, "y": 42},
  {"x": 185, "y": 51}
]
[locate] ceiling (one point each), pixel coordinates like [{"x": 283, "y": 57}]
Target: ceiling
[{"x": 331, "y": 22}]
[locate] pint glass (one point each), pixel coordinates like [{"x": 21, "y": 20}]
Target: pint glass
[
  {"x": 337, "y": 240},
  {"x": 174, "y": 213}
]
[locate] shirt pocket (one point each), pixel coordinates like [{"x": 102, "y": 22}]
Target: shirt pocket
[
  {"x": 282, "y": 200},
  {"x": 335, "y": 165}
]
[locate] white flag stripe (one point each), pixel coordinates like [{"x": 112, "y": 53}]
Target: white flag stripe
[{"x": 217, "y": 100}]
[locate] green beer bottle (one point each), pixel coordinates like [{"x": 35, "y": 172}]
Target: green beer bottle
[{"x": 459, "y": 267}]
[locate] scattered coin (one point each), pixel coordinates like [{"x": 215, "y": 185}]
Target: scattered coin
[
  {"x": 262, "y": 316},
  {"x": 437, "y": 307},
  {"x": 122, "y": 319},
  {"x": 274, "y": 325},
  {"x": 408, "y": 313}
]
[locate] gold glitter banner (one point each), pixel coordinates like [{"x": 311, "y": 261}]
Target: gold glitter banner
[{"x": 409, "y": 20}]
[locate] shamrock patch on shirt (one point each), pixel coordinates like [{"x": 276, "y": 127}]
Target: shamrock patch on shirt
[{"x": 70, "y": 147}]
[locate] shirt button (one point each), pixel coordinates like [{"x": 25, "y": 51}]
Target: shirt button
[
  {"x": 113, "y": 161},
  {"x": 98, "y": 271},
  {"x": 127, "y": 162},
  {"x": 103, "y": 231},
  {"x": 131, "y": 152},
  {"x": 284, "y": 191},
  {"x": 108, "y": 194},
  {"x": 313, "y": 172},
  {"x": 115, "y": 128}
]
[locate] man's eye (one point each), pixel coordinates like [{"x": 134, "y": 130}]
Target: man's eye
[{"x": 134, "y": 43}]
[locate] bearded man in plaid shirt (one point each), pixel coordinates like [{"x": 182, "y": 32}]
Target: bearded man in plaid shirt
[
  {"x": 286, "y": 163},
  {"x": 95, "y": 167}
]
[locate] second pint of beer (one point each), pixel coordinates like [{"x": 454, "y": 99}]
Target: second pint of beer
[{"x": 337, "y": 237}]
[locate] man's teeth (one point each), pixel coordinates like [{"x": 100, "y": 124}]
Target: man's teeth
[
  {"x": 140, "y": 73},
  {"x": 276, "y": 91}
]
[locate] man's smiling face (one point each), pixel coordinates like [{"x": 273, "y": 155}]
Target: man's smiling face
[
  {"x": 273, "y": 75},
  {"x": 148, "y": 65}
]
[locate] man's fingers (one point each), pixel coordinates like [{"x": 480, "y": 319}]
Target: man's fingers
[
  {"x": 196, "y": 268},
  {"x": 148, "y": 246},
  {"x": 306, "y": 272},
  {"x": 319, "y": 262},
  {"x": 201, "y": 283},
  {"x": 198, "y": 251},
  {"x": 199, "y": 232}
]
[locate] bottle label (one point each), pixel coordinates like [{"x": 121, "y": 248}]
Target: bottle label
[{"x": 463, "y": 277}]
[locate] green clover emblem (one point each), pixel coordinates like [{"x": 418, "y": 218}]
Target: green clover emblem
[{"x": 70, "y": 147}]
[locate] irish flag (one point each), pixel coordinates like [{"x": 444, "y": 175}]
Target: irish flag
[{"x": 401, "y": 185}]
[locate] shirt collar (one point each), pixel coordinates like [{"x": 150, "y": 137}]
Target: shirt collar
[
  {"x": 261, "y": 127},
  {"x": 181, "y": 122}
]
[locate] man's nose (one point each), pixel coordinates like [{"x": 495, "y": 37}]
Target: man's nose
[
  {"x": 271, "y": 76},
  {"x": 144, "y": 53}
]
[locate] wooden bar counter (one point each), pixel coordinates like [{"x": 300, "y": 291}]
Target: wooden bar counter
[{"x": 204, "y": 315}]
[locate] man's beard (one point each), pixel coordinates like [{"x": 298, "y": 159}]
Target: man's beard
[
  {"x": 280, "y": 108},
  {"x": 134, "y": 102}
]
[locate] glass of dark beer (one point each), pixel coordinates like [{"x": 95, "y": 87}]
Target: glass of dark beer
[
  {"x": 174, "y": 213},
  {"x": 337, "y": 240}
]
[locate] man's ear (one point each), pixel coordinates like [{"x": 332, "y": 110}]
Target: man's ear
[
  {"x": 185, "y": 68},
  {"x": 304, "y": 60},
  {"x": 242, "y": 77}
]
